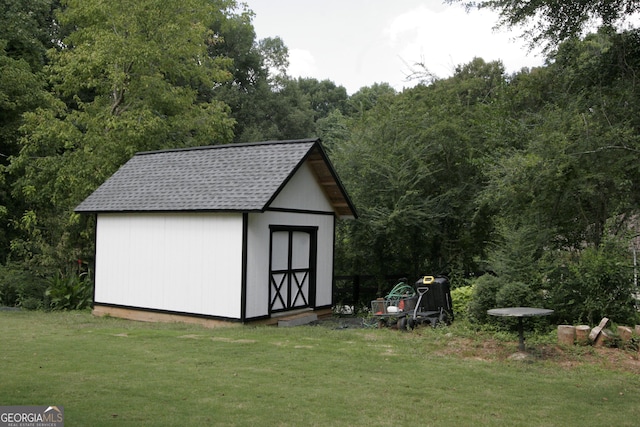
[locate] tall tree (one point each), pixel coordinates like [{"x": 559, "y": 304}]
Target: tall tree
[
  {"x": 264, "y": 101},
  {"x": 575, "y": 166},
  {"x": 26, "y": 32},
  {"x": 552, "y": 21},
  {"x": 324, "y": 96},
  {"x": 412, "y": 166},
  {"x": 129, "y": 77}
]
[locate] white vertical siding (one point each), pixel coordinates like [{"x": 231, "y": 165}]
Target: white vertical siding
[
  {"x": 303, "y": 192},
  {"x": 177, "y": 262},
  {"x": 258, "y": 257}
]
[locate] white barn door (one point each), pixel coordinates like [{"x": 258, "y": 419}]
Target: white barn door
[{"x": 292, "y": 268}]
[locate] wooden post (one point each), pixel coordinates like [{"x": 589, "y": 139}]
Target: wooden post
[
  {"x": 566, "y": 334},
  {"x": 582, "y": 334}
]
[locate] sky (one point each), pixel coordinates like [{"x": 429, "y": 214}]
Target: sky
[{"x": 357, "y": 43}]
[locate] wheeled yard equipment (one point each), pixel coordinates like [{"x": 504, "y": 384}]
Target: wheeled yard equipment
[{"x": 405, "y": 307}]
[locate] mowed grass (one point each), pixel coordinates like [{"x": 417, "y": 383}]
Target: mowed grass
[{"x": 113, "y": 372}]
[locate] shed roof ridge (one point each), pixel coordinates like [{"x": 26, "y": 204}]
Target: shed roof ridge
[
  {"x": 247, "y": 177},
  {"x": 234, "y": 145}
]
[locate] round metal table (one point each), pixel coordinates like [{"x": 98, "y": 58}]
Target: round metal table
[{"x": 519, "y": 312}]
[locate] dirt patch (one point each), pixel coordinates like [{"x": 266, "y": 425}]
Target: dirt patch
[
  {"x": 490, "y": 349},
  {"x": 618, "y": 358},
  {"x": 485, "y": 348}
]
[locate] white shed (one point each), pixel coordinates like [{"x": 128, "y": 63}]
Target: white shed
[{"x": 238, "y": 232}]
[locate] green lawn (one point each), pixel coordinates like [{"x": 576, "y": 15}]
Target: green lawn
[{"x": 107, "y": 371}]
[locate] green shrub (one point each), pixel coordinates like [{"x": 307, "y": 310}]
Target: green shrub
[
  {"x": 8, "y": 293},
  {"x": 495, "y": 292},
  {"x": 517, "y": 294},
  {"x": 595, "y": 283},
  {"x": 20, "y": 287},
  {"x": 461, "y": 298},
  {"x": 69, "y": 291},
  {"x": 483, "y": 297}
]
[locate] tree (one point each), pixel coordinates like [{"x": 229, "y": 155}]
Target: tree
[
  {"x": 562, "y": 185},
  {"x": 412, "y": 167},
  {"x": 592, "y": 283},
  {"x": 21, "y": 90},
  {"x": 268, "y": 113},
  {"x": 25, "y": 34},
  {"x": 263, "y": 100},
  {"x": 552, "y": 21},
  {"x": 27, "y": 29},
  {"x": 129, "y": 77},
  {"x": 325, "y": 96},
  {"x": 237, "y": 42},
  {"x": 575, "y": 164},
  {"x": 367, "y": 97}
]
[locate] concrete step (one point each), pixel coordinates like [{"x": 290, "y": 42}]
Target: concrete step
[{"x": 297, "y": 320}]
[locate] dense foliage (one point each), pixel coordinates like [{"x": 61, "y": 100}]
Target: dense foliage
[
  {"x": 522, "y": 188},
  {"x": 552, "y": 21}
]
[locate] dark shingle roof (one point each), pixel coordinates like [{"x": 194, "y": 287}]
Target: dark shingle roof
[{"x": 235, "y": 177}]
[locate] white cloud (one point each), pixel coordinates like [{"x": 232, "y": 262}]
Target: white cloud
[
  {"x": 369, "y": 41},
  {"x": 301, "y": 63},
  {"x": 446, "y": 38}
]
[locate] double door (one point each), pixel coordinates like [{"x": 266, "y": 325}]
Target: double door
[{"x": 292, "y": 269}]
